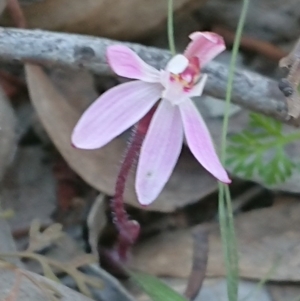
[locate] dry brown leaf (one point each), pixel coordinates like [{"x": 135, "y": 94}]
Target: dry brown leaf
[
  {"x": 263, "y": 236},
  {"x": 2, "y": 5},
  {"x": 267, "y": 238},
  {"x": 119, "y": 19},
  {"x": 96, "y": 222},
  {"x": 7, "y": 243},
  {"x": 99, "y": 168},
  {"x": 280, "y": 292},
  {"x": 27, "y": 188},
  {"x": 169, "y": 254},
  {"x": 8, "y": 139}
]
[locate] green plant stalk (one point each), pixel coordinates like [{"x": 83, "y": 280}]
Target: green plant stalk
[
  {"x": 225, "y": 207},
  {"x": 223, "y": 220},
  {"x": 232, "y": 67},
  {"x": 232, "y": 245},
  {"x": 228, "y": 241},
  {"x": 156, "y": 289},
  {"x": 171, "y": 28}
]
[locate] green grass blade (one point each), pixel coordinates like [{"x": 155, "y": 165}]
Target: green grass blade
[
  {"x": 155, "y": 288},
  {"x": 171, "y": 28},
  {"x": 225, "y": 208}
]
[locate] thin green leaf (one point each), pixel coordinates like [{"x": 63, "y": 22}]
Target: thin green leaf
[
  {"x": 225, "y": 210},
  {"x": 155, "y": 288},
  {"x": 171, "y": 28}
]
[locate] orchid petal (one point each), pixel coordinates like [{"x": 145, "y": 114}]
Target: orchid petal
[
  {"x": 127, "y": 63},
  {"x": 205, "y": 46},
  {"x": 200, "y": 142},
  {"x": 177, "y": 64},
  {"x": 114, "y": 112},
  {"x": 197, "y": 90},
  {"x": 159, "y": 153},
  {"x": 174, "y": 91}
]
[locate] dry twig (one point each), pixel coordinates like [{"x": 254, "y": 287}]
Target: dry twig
[
  {"x": 261, "y": 47},
  {"x": 252, "y": 91}
]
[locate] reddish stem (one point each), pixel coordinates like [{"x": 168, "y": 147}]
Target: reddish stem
[{"x": 128, "y": 229}]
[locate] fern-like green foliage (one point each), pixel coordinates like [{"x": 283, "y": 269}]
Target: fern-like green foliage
[{"x": 260, "y": 150}]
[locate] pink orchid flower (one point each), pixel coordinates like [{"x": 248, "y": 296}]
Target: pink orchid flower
[{"x": 175, "y": 117}]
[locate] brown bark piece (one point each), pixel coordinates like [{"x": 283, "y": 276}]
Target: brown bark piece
[{"x": 290, "y": 84}]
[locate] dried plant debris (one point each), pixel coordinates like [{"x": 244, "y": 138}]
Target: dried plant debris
[
  {"x": 102, "y": 285},
  {"x": 96, "y": 222},
  {"x": 16, "y": 283},
  {"x": 27, "y": 286},
  {"x": 51, "y": 293},
  {"x": 8, "y": 135},
  {"x": 28, "y": 188},
  {"x": 39, "y": 240},
  {"x": 290, "y": 84},
  {"x": 284, "y": 291},
  {"x": 2, "y": 5},
  {"x": 50, "y": 266}
]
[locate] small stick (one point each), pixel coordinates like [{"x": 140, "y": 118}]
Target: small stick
[
  {"x": 250, "y": 90},
  {"x": 264, "y": 48}
]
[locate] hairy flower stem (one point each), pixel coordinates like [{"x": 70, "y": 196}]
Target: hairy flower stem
[{"x": 128, "y": 229}]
